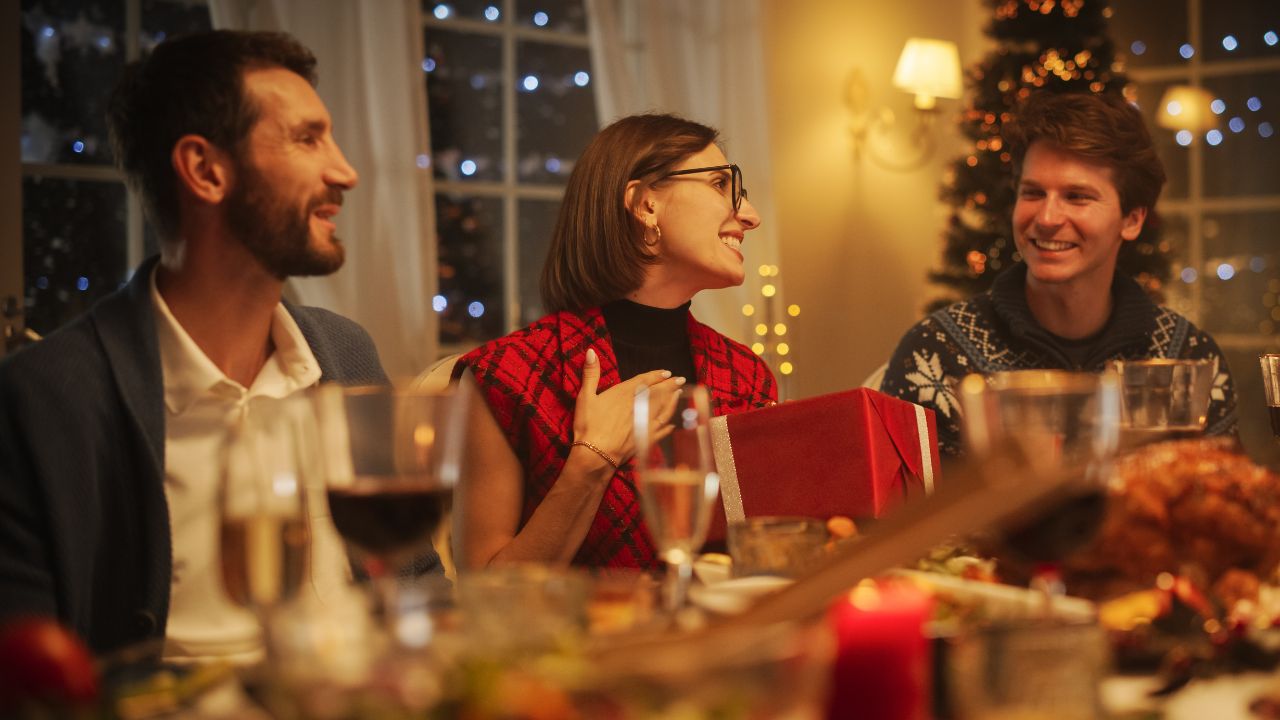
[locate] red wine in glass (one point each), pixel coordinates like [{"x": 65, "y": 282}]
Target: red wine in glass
[
  {"x": 390, "y": 518},
  {"x": 1052, "y": 535}
]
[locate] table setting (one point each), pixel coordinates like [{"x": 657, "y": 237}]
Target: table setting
[{"x": 1091, "y": 556}]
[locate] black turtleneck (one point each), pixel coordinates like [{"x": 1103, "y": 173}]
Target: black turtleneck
[{"x": 648, "y": 338}]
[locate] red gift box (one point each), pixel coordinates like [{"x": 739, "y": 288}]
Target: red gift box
[{"x": 857, "y": 453}]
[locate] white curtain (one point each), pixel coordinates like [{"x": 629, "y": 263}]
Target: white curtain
[
  {"x": 369, "y": 63},
  {"x": 705, "y": 61}
]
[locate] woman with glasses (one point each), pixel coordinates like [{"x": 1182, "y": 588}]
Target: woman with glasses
[{"x": 653, "y": 214}]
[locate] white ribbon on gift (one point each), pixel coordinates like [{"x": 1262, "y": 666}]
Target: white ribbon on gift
[{"x": 731, "y": 491}]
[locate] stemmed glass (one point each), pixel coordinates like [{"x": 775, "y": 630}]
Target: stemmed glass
[
  {"x": 264, "y": 535},
  {"x": 390, "y": 462},
  {"x": 1050, "y": 421},
  {"x": 677, "y": 478},
  {"x": 1271, "y": 384}
]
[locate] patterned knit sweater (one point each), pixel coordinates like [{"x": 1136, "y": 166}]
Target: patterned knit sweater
[{"x": 995, "y": 331}]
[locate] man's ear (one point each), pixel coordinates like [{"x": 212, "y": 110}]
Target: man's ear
[
  {"x": 641, "y": 203},
  {"x": 203, "y": 169},
  {"x": 1131, "y": 226}
]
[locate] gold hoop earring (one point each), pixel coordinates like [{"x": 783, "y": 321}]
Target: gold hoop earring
[{"x": 657, "y": 234}]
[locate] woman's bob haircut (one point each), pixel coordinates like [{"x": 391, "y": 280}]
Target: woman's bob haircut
[{"x": 598, "y": 251}]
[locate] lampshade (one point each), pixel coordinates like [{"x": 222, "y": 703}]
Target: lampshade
[
  {"x": 1184, "y": 107},
  {"x": 930, "y": 69}
]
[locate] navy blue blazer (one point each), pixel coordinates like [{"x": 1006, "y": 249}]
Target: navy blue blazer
[{"x": 84, "y": 524}]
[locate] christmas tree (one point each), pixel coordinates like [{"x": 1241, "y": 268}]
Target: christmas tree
[{"x": 1053, "y": 45}]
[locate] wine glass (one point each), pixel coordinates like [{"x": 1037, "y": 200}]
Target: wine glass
[
  {"x": 677, "y": 479},
  {"x": 264, "y": 533},
  {"x": 1271, "y": 384},
  {"x": 1050, "y": 421},
  {"x": 390, "y": 461}
]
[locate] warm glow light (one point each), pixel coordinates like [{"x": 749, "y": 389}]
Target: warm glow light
[
  {"x": 783, "y": 348},
  {"x": 757, "y": 348},
  {"x": 1184, "y": 107},
  {"x": 764, "y": 271},
  {"x": 780, "y": 329},
  {"x": 762, "y": 329},
  {"x": 793, "y": 310},
  {"x": 786, "y": 368},
  {"x": 768, "y": 291},
  {"x": 929, "y": 69},
  {"x": 748, "y": 309}
]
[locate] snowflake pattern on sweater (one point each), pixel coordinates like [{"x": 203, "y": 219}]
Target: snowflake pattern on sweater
[{"x": 995, "y": 332}]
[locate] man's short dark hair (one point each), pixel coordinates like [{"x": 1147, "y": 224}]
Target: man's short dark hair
[
  {"x": 191, "y": 85},
  {"x": 598, "y": 251},
  {"x": 1102, "y": 127}
]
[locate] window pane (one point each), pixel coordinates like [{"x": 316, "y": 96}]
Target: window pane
[
  {"x": 537, "y": 219},
  {"x": 560, "y": 15},
  {"x": 487, "y": 10},
  {"x": 1174, "y": 156},
  {"x": 73, "y": 247},
  {"x": 1174, "y": 240},
  {"x": 555, "y": 110},
  {"x": 1239, "y": 29},
  {"x": 470, "y": 265},
  {"x": 166, "y": 18},
  {"x": 1242, "y": 262},
  {"x": 1246, "y": 161},
  {"x": 72, "y": 51},
  {"x": 1149, "y": 32},
  {"x": 464, "y": 98}
]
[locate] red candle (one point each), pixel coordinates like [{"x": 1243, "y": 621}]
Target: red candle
[{"x": 882, "y": 668}]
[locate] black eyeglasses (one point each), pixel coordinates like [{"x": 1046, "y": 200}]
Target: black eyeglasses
[{"x": 735, "y": 176}]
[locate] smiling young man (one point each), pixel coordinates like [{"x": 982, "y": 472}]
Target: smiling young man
[
  {"x": 1087, "y": 178},
  {"x": 110, "y": 428}
]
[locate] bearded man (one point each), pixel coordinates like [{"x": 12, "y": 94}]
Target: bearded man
[{"x": 110, "y": 428}]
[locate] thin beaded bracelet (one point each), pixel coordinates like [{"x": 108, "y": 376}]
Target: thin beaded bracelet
[{"x": 604, "y": 455}]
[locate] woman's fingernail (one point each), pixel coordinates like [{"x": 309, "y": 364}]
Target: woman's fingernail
[
  {"x": 666, "y": 374},
  {"x": 591, "y": 356},
  {"x": 680, "y": 381}
]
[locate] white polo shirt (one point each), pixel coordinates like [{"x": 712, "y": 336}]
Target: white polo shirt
[{"x": 200, "y": 403}]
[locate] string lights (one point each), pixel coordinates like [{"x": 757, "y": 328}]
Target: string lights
[{"x": 767, "y": 322}]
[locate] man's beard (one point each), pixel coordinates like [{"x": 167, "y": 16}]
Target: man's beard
[{"x": 276, "y": 234}]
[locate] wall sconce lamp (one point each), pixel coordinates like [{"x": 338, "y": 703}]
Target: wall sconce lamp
[
  {"x": 928, "y": 69},
  {"x": 1187, "y": 110}
]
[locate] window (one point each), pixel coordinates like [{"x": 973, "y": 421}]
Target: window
[
  {"x": 511, "y": 108},
  {"x": 82, "y": 230},
  {"x": 1222, "y": 203}
]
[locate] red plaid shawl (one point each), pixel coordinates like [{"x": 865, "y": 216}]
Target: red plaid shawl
[{"x": 530, "y": 380}]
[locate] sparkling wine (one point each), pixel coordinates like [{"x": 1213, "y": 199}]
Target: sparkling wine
[
  {"x": 675, "y": 509},
  {"x": 1275, "y": 420},
  {"x": 264, "y": 559},
  {"x": 389, "y": 516}
]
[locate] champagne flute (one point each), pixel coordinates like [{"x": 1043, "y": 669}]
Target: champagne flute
[
  {"x": 264, "y": 536},
  {"x": 391, "y": 459},
  {"x": 1051, "y": 421},
  {"x": 678, "y": 481}
]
